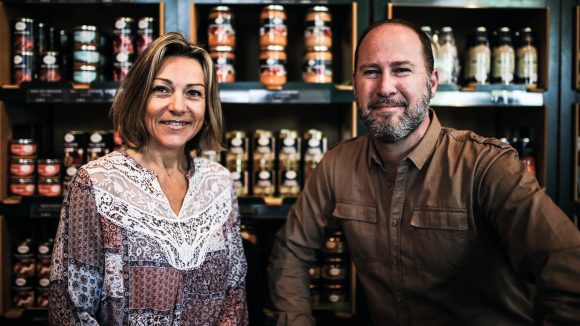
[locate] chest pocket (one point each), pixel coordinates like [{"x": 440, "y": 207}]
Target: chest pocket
[
  {"x": 359, "y": 223},
  {"x": 440, "y": 239}
]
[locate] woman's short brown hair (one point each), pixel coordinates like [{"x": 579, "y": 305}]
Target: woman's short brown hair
[{"x": 131, "y": 100}]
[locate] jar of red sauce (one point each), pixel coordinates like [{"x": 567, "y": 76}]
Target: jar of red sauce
[
  {"x": 50, "y": 187},
  {"x": 22, "y": 147},
  {"x": 272, "y": 67},
  {"x": 22, "y": 186},
  {"x": 48, "y": 167},
  {"x": 22, "y": 167}
]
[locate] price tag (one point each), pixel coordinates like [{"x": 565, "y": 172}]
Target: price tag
[
  {"x": 45, "y": 210},
  {"x": 46, "y": 95}
]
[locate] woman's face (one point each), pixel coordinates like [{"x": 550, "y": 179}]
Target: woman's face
[{"x": 176, "y": 108}]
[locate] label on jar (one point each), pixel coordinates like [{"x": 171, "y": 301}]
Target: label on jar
[
  {"x": 23, "y": 149},
  {"x": 264, "y": 182},
  {"x": 22, "y": 189},
  {"x": 446, "y": 61},
  {"x": 22, "y": 169},
  {"x": 240, "y": 179},
  {"x": 479, "y": 64},
  {"x": 49, "y": 189},
  {"x": 87, "y": 56},
  {"x": 85, "y": 37},
  {"x": 48, "y": 169},
  {"x": 84, "y": 76},
  {"x": 504, "y": 64},
  {"x": 289, "y": 184}
]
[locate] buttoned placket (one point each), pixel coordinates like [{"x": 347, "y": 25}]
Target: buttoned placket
[{"x": 396, "y": 212}]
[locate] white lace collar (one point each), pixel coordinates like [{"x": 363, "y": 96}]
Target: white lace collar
[{"x": 130, "y": 196}]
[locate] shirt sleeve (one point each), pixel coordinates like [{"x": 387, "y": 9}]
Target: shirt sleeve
[
  {"x": 235, "y": 310},
  {"x": 542, "y": 241},
  {"x": 77, "y": 262},
  {"x": 295, "y": 248}
]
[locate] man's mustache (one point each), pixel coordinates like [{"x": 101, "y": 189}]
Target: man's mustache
[{"x": 386, "y": 100}]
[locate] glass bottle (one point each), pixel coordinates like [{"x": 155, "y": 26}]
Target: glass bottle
[
  {"x": 527, "y": 59},
  {"x": 446, "y": 61},
  {"x": 503, "y": 58},
  {"x": 478, "y": 61}
]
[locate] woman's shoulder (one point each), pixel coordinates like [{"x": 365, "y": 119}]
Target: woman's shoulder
[{"x": 108, "y": 162}]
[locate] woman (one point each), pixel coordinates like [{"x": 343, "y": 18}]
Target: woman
[{"x": 149, "y": 235}]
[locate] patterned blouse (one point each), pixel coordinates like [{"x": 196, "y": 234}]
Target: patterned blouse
[{"x": 123, "y": 257}]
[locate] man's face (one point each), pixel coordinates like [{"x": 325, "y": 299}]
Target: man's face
[{"x": 391, "y": 83}]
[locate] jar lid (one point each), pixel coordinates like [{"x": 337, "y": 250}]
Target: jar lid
[
  {"x": 22, "y": 141},
  {"x": 22, "y": 160},
  {"x": 49, "y": 161},
  {"x": 91, "y": 28},
  {"x": 222, "y": 48},
  {"x": 287, "y": 133},
  {"x": 24, "y": 54},
  {"x": 48, "y": 180},
  {"x": 278, "y": 48},
  {"x": 235, "y": 133},
  {"x": 313, "y": 133},
  {"x": 22, "y": 180},
  {"x": 262, "y": 133},
  {"x": 85, "y": 47},
  {"x": 85, "y": 67},
  {"x": 319, "y": 9},
  {"x": 274, "y": 7},
  {"x": 221, "y": 8}
]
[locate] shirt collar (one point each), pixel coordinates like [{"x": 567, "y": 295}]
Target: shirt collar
[{"x": 420, "y": 153}]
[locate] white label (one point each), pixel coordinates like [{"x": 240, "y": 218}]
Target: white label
[
  {"x": 44, "y": 282},
  {"x": 263, "y": 141},
  {"x": 20, "y": 26},
  {"x": 122, "y": 57},
  {"x": 120, "y": 24},
  {"x": 18, "y": 59},
  {"x": 236, "y": 142},
  {"x": 291, "y": 175},
  {"x": 333, "y": 298},
  {"x": 71, "y": 170},
  {"x": 143, "y": 24},
  {"x": 289, "y": 141},
  {"x": 313, "y": 142},
  {"x": 23, "y": 249},
  {"x": 334, "y": 271},
  {"x": 96, "y": 137},
  {"x": 20, "y": 281},
  {"x": 68, "y": 138},
  {"x": 43, "y": 249},
  {"x": 264, "y": 175},
  {"x": 49, "y": 59}
]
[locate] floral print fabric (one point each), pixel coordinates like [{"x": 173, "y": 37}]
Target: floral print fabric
[{"x": 123, "y": 257}]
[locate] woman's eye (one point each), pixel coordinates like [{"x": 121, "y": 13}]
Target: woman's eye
[
  {"x": 194, "y": 93},
  {"x": 160, "y": 90}
]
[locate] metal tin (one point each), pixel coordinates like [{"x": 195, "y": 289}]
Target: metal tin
[
  {"x": 223, "y": 58},
  {"x": 317, "y": 67},
  {"x": 335, "y": 243},
  {"x": 273, "y": 30},
  {"x": 315, "y": 144},
  {"x": 334, "y": 269},
  {"x": 23, "y": 147},
  {"x": 23, "y": 35},
  {"x": 22, "y": 186},
  {"x": 318, "y": 31},
  {"x": 100, "y": 143},
  {"x": 22, "y": 167},
  {"x": 48, "y": 167},
  {"x": 23, "y": 298},
  {"x": 86, "y": 34},
  {"x": 50, "y": 69},
  {"x": 289, "y": 145},
  {"x": 49, "y": 187},
  {"x": 272, "y": 67},
  {"x": 22, "y": 67},
  {"x": 220, "y": 31}
]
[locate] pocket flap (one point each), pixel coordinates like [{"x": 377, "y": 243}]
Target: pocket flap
[
  {"x": 358, "y": 212},
  {"x": 440, "y": 218}
]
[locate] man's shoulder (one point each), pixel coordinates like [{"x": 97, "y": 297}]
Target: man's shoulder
[{"x": 468, "y": 137}]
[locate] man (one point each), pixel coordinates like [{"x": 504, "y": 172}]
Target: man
[{"x": 445, "y": 227}]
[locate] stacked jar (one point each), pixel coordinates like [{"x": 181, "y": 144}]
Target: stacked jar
[
  {"x": 315, "y": 145},
  {"x": 49, "y": 182},
  {"x": 221, "y": 39},
  {"x": 289, "y": 163},
  {"x": 144, "y": 33},
  {"x": 123, "y": 49},
  {"x": 49, "y": 67},
  {"x": 23, "y": 50},
  {"x": 237, "y": 160},
  {"x": 263, "y": 158},
  {"x": 273, "y": 41},
  {"x": 334, "y": 269},
  {"x": 318, "y": 41},
  {"x": 86, "y": 54},
  {"x": 22, "y": 167},
  {"x": 74, "y": 144}
]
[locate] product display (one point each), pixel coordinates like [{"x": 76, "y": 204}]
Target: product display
[
  {"x": 504, "y": 58},
  {"x": 272, "y": 67},
  {"x": 527, "y": 59},
  {"x": 478, "y": 58}
]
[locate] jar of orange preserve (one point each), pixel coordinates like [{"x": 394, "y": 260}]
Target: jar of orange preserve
[{"x": 272, "y": 67}]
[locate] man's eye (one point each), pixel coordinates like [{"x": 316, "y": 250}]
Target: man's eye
[
  {"x": 370, "y": 73},
  {"x": 402, "y": 71}
]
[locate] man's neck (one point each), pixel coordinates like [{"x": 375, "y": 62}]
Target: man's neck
[{"x": 392, "y": 154}]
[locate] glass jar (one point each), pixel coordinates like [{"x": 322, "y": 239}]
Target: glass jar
[
  {"x": 22, "y": 167},
  {"x": 478, "y": 62},
  {"x": 23, "y": 147},
  {"x": 335, "y": 293},
  {"x": 86, "y": 34},
  {"x": 317, "y": 67},
  {"x": 272, "y": 67},
  {"x": 220, "y": 31},
  {"x": 318, "y": 31},
  {"x": 273, "y": 30},
  {"x": 335, "y": 243},
  {"x": 334, "y": 269},
  {"x": 48, "y": 167},
  {"x": 223, "y": 58},
  {"x": 49, "y": 187},
  {"x": 504, "y": 58},
  {"x": 22, "y": 186}
]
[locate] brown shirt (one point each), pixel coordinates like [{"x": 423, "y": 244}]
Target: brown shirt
[{"x": 452, "y": 239}]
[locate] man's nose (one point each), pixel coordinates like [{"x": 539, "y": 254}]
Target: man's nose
[{"x": 387, "y": 85}]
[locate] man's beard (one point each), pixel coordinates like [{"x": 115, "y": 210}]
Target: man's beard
[{"x": 389, "y": 131}]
